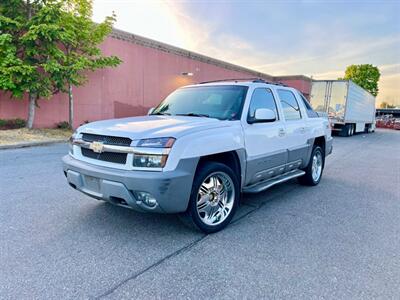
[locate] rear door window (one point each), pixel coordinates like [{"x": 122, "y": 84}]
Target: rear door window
[
  {"x": 310, "y": 112},
  {"x": 291, "y": 109}
]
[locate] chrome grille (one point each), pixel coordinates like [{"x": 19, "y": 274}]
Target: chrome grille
[
  {"x": 114, "y": 157},
  {"x": 106, "y": 139}
]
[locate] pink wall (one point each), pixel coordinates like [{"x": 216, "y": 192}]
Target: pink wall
[
  {"x": 301, "y": 83},
  {"x": 145, "y": 77}
]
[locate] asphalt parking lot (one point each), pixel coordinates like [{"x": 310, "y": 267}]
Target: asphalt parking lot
[{"x": 340, "y": 239}]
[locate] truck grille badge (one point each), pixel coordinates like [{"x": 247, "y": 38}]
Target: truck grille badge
[{"x": 97, "y": 147}]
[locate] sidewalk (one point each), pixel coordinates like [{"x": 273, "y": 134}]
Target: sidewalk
[{"x": 18, "y": 138}]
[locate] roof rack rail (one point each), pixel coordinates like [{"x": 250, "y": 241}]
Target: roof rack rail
[{"x": 255, "y": 79}]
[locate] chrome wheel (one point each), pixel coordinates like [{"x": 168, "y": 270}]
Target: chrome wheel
[
  {"x": 215, "y": 198},
  {"x": 316, "y": 168}
]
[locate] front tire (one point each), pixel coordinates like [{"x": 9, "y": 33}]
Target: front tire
[
  {"x": 314, "y": 168},
  {"x": 214, "y": 198}
]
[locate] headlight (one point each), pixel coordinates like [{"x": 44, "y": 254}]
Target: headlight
[
  {"x": 152, "y": 160},
  {"x": 157, "y": 143},
  {"x": 149, "y": 160}
]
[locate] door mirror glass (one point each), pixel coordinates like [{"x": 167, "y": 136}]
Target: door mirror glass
[
  {"x": 150, "y": 111},
  {"x": 264, "y": 115}
]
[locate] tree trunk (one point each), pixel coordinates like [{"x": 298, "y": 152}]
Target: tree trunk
[
  {"x": 71, "y": 106},
  {"x": 28, "y": 4},
  {"x": 31, "y": 111},
  {"x": 32, "y": 96}
]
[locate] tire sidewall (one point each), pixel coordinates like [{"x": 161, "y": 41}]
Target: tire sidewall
[
  {"x": 317, "y": 149},
  {"x": 205, "y": 170}
]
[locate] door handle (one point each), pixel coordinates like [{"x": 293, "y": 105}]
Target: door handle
[
  {"x": 281, "y": 132},
  {"x": 302, "y": 130}
]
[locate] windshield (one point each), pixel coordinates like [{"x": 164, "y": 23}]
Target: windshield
[{"x": 224, "y": 102}]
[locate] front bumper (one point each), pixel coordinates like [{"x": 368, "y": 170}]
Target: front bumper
[{"x": 171, "y": 189}]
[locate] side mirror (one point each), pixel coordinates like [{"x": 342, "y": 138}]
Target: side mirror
[
  {"x": 150, "y": 111},
  {"x": 263, "y": 115}
]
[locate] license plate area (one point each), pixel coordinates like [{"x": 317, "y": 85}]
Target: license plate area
[{"x": 92, "y": 183}]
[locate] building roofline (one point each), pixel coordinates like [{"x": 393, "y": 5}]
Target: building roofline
[
  {"x": 146, "y": 42},
  {"x": 289, "y": 77}
]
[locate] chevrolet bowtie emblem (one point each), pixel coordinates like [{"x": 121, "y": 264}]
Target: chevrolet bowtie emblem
[{"x": 97, "y": 147}]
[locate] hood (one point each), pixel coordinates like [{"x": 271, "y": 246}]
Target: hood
[{"x": 152, "y": 126}]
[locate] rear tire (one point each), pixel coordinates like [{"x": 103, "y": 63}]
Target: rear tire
[
  {"x": 214, "y": 198},
  {"x": 314, "y": 168}
]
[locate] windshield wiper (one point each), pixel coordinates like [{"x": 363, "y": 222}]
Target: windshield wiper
[
  {"x": 194, "y": 115},
  {"x": 161, "y": 114}
]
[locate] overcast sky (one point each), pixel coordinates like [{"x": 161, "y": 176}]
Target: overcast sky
[{"x": 313, "y": 38}]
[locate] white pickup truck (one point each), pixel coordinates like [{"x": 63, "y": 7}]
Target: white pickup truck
[{"x": 200, "y": 149}]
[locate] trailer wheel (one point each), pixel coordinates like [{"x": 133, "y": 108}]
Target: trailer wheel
[
  {"x": 346, "y": 130},
  {"x": 352, "y": 129},
  {"x": 368, "y": 128}
]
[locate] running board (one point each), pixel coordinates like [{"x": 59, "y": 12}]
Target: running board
[{"x": 263, "y": 185}]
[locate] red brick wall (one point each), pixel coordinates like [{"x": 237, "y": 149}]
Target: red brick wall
[{"x": 146, "y": 76}]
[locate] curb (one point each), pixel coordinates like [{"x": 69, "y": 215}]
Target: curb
[{"x": 32, "y": 144}]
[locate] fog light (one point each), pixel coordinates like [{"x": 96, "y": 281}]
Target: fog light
[{"x": 146, "y": 198}]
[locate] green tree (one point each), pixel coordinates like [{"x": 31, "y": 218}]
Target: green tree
[
  {"x": 80, "y": 39},
  {"x": 22, "y": 60},
  {"x": 367, "y": 76},
  {"x": 46, "y": 45}
]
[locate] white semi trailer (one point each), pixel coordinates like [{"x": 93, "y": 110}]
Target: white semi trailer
[{"x": 350, "y": 108}]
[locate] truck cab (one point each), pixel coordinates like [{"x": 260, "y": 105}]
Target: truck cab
[{"x": 200, "y": 149}]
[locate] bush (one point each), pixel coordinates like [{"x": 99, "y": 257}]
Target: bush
[
  {"x": 63, "y": 125},
  {"x": 12, "y": 124}
]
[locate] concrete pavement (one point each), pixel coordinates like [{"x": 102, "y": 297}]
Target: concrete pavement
[{"x": 337, "y": 240}]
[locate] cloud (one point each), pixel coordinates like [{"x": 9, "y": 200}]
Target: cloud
[
  {"x": 319, "y": 50},
  {"x": 152, "y": 19},
  {"x": 390, "y": 69},
  {"x": 204, "y": 38},
  {"x": 343, "y": 53},
  {"x": 389, "y": 89}
]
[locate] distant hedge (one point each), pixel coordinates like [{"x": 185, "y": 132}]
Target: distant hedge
[{"x": 12, "y": 123}]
